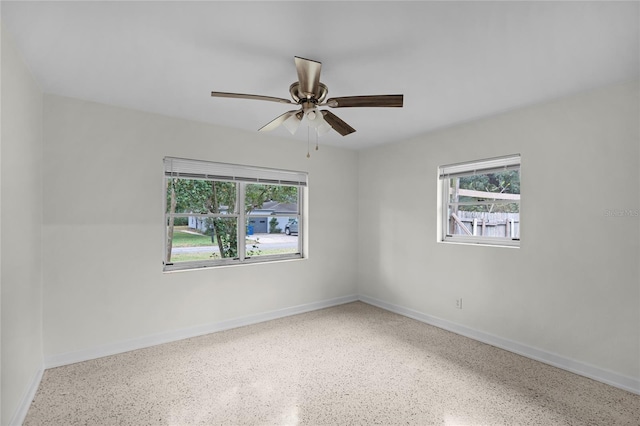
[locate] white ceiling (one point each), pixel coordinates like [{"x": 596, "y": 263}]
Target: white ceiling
[{"x": 453, "y": 61}]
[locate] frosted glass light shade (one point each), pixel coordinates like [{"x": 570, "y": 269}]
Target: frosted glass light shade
[
  {"x": 323, "y": 128},
  {"x": 292, "y": 124}
]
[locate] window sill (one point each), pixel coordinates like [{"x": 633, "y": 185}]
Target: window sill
[
  {"x": 231, "y": 264},
  {"x": 514, "y": 245}
]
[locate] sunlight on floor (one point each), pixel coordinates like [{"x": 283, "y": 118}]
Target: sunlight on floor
[
  {"x": 450, "y": 420},
  {"x": 291, "y": 418}
]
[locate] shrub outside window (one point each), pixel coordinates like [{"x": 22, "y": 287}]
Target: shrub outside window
[
  {"x": 481, "y": 201},
  {"x": 221, "y": 214}
]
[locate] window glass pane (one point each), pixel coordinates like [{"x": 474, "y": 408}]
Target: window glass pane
[
  {"x": 281, "y": 236},
  {"x": 197, "y": 238},
  {"x": 491, "y": 186},
  {"x": 270, "y": 199},
  {"x": 208, "y": 239},
  {"x": 483, "y": 205},
  {"x": 200, "y": 196},
  {"x": 482, "y": 223},
  {"x": 272, "y": 220}
]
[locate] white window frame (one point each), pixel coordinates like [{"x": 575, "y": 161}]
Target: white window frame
[
  {"x": 486, "y": 166},
  {"x": 241, "y": 175}
]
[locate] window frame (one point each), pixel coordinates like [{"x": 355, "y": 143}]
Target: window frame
[
  {"x": 478, "y": 167},
  {"x": 242, "y": 176}
]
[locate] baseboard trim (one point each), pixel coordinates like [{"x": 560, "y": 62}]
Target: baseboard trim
[
  {"x": 172, "y": 336},
  {"x": 605, "y": 376},
  {"x": 21, "y": 412}
]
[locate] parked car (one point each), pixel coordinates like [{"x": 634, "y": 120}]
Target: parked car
[{"x": 291, "y": 227}]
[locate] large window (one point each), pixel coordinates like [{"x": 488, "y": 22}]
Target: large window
[
  {"x": 481, "y": 201},
  {"x": 221, "y": 214}
]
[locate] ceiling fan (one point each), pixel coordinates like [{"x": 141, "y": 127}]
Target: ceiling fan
[{"x": 310, "y": 94}]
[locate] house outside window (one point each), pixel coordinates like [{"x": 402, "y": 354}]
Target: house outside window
[
  {"x": 481, "y": 201},
  {"x": 221, "y": 214}
]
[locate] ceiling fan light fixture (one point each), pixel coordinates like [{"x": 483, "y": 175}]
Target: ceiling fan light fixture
[
  {"x": 323, "y": 128},
  {"x": 316, "y": 121},
  {"x": 292, "y": 124},
  {"x": 312, "y": 115}
]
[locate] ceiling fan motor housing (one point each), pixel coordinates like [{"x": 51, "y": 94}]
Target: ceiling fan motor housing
[{"x": 299, "y": 97}]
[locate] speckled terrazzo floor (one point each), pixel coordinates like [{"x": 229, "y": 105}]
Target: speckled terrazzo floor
[{"x": 349, "y": 365}]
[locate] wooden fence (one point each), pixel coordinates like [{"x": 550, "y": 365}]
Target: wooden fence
[{"x": 506, "y": 225}]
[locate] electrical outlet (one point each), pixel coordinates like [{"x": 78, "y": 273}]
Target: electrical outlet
[{"x": 459, "y": 303}]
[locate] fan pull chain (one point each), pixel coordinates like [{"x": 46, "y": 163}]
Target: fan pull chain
[
  {"x": 308, "y": 137},
  {"x": 316, "y": 140}
]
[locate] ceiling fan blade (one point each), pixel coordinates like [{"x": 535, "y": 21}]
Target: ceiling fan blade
[
  {"x": 254, "y": 97},
  {"x": 278, "y": 121},
  {"x": 338, "y": 125},
  {"x": 308, "y": 76},
  {"x": 366, "y": 101}
]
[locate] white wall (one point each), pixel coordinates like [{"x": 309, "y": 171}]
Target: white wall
[
  {"x": 0, "y": 222},
  {"x": 103, "y": 227},
  {"x": 21, "y": 204},
  {"x": 572, "y": 289}
]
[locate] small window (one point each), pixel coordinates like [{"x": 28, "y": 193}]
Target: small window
[
  {"x": 220, "y": 214},
  {"x": 481, "y": 201}
]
